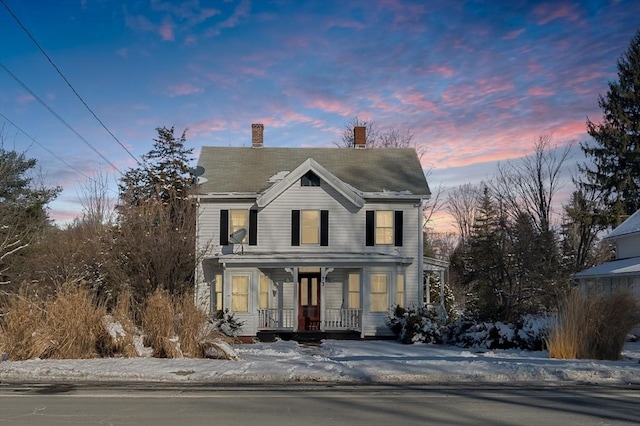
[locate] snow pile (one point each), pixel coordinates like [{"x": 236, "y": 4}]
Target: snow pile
[{"x": 338, "y": 361}]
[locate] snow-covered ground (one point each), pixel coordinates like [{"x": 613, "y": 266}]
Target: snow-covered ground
[{"x": 338, "y": 361}]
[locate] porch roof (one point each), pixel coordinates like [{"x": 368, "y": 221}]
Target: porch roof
[
  {"x": 616, "y": 268},
  {"x": 286, "y": 260}
]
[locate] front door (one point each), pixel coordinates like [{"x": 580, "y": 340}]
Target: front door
[{"x": 309, "y": 301}]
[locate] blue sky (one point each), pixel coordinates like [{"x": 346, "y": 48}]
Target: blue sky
[{"x": 475, "y": 82}]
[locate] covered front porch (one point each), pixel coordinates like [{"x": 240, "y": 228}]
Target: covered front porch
[{"x": 292, "y": 295}]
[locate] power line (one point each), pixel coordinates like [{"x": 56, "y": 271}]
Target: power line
[
  {"x": 43, "y": 147},
  {"x": 58, "y": 117},
  {"x": 66, "y": 81}
]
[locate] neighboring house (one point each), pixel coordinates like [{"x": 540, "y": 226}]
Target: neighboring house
[
  {"x": 310, "y": 239},
  {"x": 623, "y": 273}
]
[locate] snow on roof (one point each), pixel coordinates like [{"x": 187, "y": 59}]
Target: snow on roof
[
  {"x": 629, "y": 226},
  {"x": 617, "y": 267}
]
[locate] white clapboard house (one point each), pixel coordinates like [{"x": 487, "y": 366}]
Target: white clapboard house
[
  {"x": 301, "y": 240},
  {"x": 622, "y": 273}
]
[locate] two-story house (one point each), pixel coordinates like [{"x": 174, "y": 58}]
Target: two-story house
[
  {"x": 623, "y": 273},
  {"x": 310, "y": 239}
]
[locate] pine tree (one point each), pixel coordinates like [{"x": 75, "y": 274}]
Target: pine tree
[
  {"x": 163, "y": 173},
  {"x": 155, "y": 237},
  {"x": 23, "y": 211},
  {"x": 616, "y": 152}
]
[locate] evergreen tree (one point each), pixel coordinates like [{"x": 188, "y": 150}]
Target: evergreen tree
[
  {"x": 163, "y": 173},
  {"x": 616, "y": 152},
  {"x": 155, "y": 238},
  {"x": 23, "y": 211}
]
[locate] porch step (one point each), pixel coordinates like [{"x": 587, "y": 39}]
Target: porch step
[{"x": 307, "y": 336}]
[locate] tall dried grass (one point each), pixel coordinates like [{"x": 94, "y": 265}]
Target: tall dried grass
[
  {"x": 22, "y": 316},
  {"x": 122, "y": 338},
  {"x": 157, "y": 322},
  {"x": 73, "y": 323},
  {"x": 66, "y": 325},
  {"x": 593, "y": 326},
  {"x": 190, "y": 323}
]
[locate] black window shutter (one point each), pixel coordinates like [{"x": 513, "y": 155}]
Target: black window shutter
[
  {"x": 224, "y": 227},
  {"x": 253, "y": 227},
  {"x": 397, "y": 231},
  {"x": 295, "y": 227},
  {"x": 324, "y": 227},
  {"x": 370, "y": 228}
]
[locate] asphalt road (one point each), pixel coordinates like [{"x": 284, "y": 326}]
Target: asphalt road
[{"x": 298, "y": 404}]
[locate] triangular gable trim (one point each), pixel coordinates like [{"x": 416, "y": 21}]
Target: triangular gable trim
[{"x": 310, "y": 164}]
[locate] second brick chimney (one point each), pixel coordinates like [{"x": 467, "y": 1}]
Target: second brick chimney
[
  {"x": 257, "y": 135},
  {"x": 359, "y": 137}
]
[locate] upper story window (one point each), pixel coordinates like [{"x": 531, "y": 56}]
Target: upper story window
[
  {"x": 384, "y": 227},
  {"x": 233, "y": 220},
  {"x": 239, "y": 219},
  {"x": 310, "y": 227},
  {"x": 310, "y": 179}
]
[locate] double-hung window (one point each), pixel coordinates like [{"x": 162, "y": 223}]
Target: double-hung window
[
  {"x": 354, "y": 291},
  {"x": 240, "y": 293},
  {"x": 384, "y": 227},
  {"x": 239, "y": 219},
  {"x": 400, "y": 290},
  {"x": 310, "y": 227},
  {"x": 263, "y": 292},
  {"x": 378, "y": 294},
  {"x": 233, "y": 220}
]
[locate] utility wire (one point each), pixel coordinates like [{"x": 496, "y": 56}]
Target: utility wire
[
  {"x": 67, "y": 81},
  {"x": 44, "y": 147},
  {"x": 58, "y": 117}
]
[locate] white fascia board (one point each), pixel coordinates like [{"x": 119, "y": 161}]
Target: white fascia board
[
  {"x": 309, "y": 165},
  {"x": 227, "y": 195}
]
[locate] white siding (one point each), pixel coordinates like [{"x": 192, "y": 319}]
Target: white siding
[
  {"x": 628, "y": 247},
  {"x": 346, "y": 235}
]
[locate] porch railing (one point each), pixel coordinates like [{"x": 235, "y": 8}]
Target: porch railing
[
  {"x": 335, "y": 319},
  {"x": 275, "y": 318},
  {"x": 342, "y": 319}
]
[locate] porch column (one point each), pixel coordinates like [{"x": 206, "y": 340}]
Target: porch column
[
  {"x": 425, "y": 276},
  {"x": 323, "y": 279},
  {"x": 444, "y": 311},
  {"x": 294, "y": 273}
]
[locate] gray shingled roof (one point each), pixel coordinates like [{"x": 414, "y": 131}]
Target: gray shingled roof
[
  {"x": 248, "y": 170},
  {"x": 629, "y": 226}
]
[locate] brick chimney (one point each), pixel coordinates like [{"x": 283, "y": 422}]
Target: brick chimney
[
  {"x": 359, "y": 137},
  {"x": 257, "y": 135}
]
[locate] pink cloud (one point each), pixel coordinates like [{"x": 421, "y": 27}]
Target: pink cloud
[
  {"x": 551, "y": 11},
  {"x": 513, "y": 34},
  {"x": 254, "y": 71},
  {"x": 330, "y": 105},
  {"x": 184, "y": 89},
  {"x": 443, "y": 70},
  {"x": 204, "y": 127},
  {"x": 345, "y": 23},
  {"x": 166, "y": 30},
  {"x": 418, "y": 101},
  {"x": 24, "y": 99},
  {"x": 541, "y": 91}
]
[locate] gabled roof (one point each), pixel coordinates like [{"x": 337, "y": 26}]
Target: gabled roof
[
  {"x": 380, "y": 171},
  {"x": 630, "y": 266},
  {"x": 293, "y": 177},
  {"x": 629, "y": 226}
]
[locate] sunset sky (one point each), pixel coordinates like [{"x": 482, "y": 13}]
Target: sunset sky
[{"x": 475, "y": 82}]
